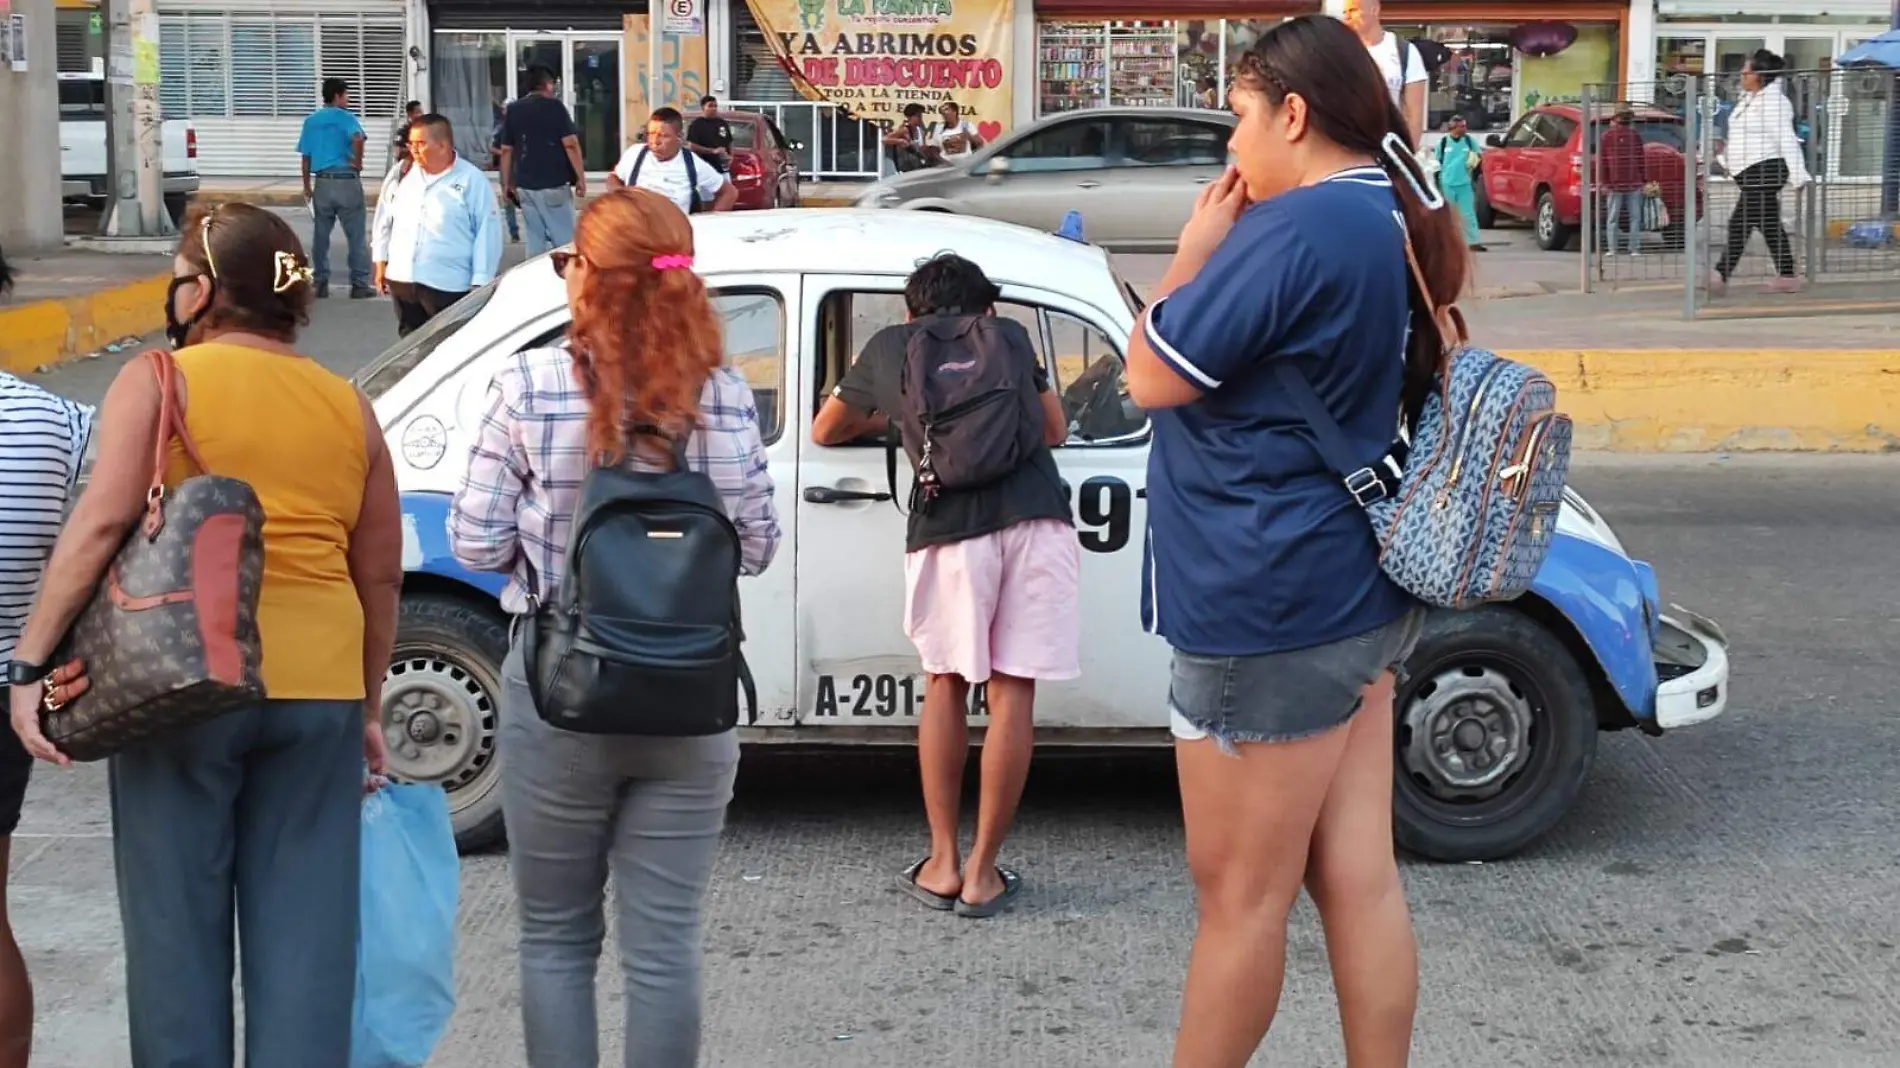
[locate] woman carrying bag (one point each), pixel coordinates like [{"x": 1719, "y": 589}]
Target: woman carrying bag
[{"x": 249, "y": 819}]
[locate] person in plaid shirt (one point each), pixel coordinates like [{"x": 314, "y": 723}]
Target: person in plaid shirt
[{"x": 644, "y": 350}]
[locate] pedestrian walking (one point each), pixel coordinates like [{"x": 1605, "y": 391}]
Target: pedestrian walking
[
  {"x": 249, "y": 822},
  {"x": 1262, "y": 570},
  {"x": 331, "y": 145},
  {"x": 662, "y": 165},
  {"x": 438, "y": 231},
  {"x": 42, "y": 449},
  {"x": 541, "y": 168},
  {"x": 1458, "y": 156},
  {"x": 510, "y": 201},
  {"x": 1623, "y": 172},
  {"x": 642, "y": 356},
  {"x": 1765, "y": 156},
  {"x": 711, "y": 136},
  {"x": 1400, "y": 66},
  {"x": 991, "y": 567}
]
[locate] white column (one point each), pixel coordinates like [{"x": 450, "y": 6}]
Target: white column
[
  {"x": 1640, "y": 67},
  {"x": 1027, "y": 62}
]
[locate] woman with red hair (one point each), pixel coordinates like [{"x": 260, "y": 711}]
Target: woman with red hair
[{"x": 644, "y": 349}]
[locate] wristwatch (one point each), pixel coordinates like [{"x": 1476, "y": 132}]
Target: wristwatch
[{"x": 21, "y": 673}]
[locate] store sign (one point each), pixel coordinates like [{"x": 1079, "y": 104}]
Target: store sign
[{"x": 876, "y": 57}]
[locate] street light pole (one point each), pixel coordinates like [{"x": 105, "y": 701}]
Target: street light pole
[{"x": 135, "y": 165}]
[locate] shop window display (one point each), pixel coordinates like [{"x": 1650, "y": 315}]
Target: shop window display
[{"x": 1477, "y": 80}]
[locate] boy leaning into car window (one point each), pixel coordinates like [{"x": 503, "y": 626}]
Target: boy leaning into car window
[{"x": 990, "y": 591}]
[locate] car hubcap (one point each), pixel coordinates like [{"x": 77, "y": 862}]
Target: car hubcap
[
  {"x": 438, "y": 722},
  {"x": 1469, "y": 733}
]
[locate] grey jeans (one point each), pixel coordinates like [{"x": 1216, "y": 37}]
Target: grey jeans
[
  {"x": 251, "y": 822},
  {"x": 337, "y": 197},
  {"x": 547, "y": 218},
  {"x": 579, "y": 807}
]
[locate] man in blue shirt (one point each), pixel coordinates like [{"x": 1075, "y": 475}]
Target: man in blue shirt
[
  {"x": 332, "y": 149},
  {"x": 438, "y": 229}
]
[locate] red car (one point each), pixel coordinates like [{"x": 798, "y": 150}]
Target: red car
[
  {"x": 1535, "y": 170},
  {"x": 764, "y": 162}
]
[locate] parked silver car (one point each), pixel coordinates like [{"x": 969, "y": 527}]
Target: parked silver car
[{"x": 1133, "y": 173}]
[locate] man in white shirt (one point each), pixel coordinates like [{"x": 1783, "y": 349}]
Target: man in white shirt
[
  {"x": 1399, "y": 62},
  {"x": 438, "y": 230},
  {"x": 661, "y": 166},
  {"x": 955, "y": 137}
]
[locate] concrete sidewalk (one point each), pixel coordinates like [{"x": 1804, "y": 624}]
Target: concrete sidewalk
[
  {"x": 288, "y": 192},
  {"x": 71, "y": 302}
]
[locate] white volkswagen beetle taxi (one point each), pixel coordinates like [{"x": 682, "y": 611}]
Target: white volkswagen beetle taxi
[{"x": 1496, "y": 727}]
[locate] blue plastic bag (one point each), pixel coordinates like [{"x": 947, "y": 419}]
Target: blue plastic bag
[{"x": 405, "y": 949}]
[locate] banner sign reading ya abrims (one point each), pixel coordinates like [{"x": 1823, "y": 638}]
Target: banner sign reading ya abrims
[{"x": 875, "y": 57}]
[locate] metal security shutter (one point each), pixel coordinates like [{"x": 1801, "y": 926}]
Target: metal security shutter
[
  {"x": 72, "y": 40},
  {"x": 368, "y": 51},
  {"x": 273, "y": 65},
  {"x": 756, "y": 73}
]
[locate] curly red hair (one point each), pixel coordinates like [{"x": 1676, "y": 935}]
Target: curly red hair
[{"x": 643, "y": 339}]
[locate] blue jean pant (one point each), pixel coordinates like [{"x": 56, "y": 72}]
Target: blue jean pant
[
  {"x": 337, "y": 197},
  {"x": 249, "y": 823},
  {"x": 581, "y": 807},
  {"x": 547, "y": 218},
  {"x": 1625, "y": 208}
]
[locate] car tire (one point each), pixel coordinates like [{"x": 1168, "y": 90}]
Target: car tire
[
  {"x": 176, "y": 205},
  {"x": 1486, "y": 215},
  {"x": 1552, "y": 234},
  {"x": 1494, "y": 685},
  {"x": 442, "y": 709}
]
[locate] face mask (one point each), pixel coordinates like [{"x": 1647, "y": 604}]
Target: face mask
[{"x": 176, "y": 332}]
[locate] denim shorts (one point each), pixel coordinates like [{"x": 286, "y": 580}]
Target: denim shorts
[{"x": 1283, "y": 697}]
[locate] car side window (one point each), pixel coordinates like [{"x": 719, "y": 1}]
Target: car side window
[
  {"x": 1077, "y": 145},
  {"x": 1555, "y": 131},
  {"x": 1523, "y": 134},
  {"x": 1085, "y": 369},
  {"x": 754, "y": 327},
  {"x": 1164, "y": 143},
  {"x": 778, "y": 136}
]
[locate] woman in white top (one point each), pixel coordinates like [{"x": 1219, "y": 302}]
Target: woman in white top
[
  {"x": 1399, "y": 62},
  {"x": 1764, "y": 155}
]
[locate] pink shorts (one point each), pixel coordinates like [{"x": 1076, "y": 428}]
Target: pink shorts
[{"x": 1002, "y": 602}]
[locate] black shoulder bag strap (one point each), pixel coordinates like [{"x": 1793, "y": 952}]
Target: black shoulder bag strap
[
  {"x": 633, "y": 176},
  {"x": 692, "y": 178}
]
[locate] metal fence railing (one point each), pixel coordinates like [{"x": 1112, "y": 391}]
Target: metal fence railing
[
  {"x": 1693, "y": 211},
  {"x": 836, "y": 147}
]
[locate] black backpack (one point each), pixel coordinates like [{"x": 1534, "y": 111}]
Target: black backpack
[
  {"x": 644, "y": 637},
  {"x": 969, "y": 412},
  {"x": 692, "y": 174}
]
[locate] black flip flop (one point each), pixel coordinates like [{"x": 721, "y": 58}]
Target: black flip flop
[
  {"x": 1012, "y": 885},
  {"x": 907, "y": 881}
]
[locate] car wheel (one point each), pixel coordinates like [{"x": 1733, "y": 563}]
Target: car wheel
[
  {"x": 1495, "y": 731},
  {"x": 1487, "y": 216},
  {"x": 1552, "y": 234},
  {"x": 176, "y": 205},
  {"x": 441, "y": 709}
]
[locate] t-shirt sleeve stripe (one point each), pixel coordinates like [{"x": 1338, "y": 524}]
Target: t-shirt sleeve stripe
[{"x": 1171, "y": 355}]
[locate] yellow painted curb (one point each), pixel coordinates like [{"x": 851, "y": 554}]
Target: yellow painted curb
[
  {"x": 47, "y": 332},
  {"x": 1728, "y": 400}
]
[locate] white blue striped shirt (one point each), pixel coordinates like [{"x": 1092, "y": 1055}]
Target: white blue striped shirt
[{"x": 42, "y": 445}]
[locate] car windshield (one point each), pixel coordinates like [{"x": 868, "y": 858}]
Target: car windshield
[
  {"x": 1664, "y": 132},
  {"x": 406, "y": 355},
  {"x": 82, "y": 98}
]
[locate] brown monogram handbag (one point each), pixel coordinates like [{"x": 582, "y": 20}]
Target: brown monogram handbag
[{"x": 170, "y": 637}]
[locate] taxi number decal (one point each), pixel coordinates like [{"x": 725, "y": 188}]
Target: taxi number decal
[
  {"x": 880, "y": 697},
  {"x": 1104, "y": 508}
]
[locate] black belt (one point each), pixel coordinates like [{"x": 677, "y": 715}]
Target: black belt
[{"x": 339, "y": 173}]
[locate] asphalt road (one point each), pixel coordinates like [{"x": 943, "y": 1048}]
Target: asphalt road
[{"x": 1720, "y": 896}]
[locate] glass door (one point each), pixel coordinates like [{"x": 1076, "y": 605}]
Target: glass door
[{"x": 594, "y": 99}]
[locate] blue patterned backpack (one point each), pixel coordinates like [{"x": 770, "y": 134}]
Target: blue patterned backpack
[{"x": 1465, "y": 507}]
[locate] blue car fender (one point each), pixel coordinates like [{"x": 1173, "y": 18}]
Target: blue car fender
[
  {"x": 425, "y": 545},
  {"x": 1612, "y": 602}
]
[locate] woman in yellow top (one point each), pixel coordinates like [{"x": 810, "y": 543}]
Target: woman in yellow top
[{"x": 255, "y": 813}]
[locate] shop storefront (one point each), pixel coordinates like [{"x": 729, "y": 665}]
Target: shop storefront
[
  {"x": 481, "y": 51},
  {"x": 246, "y": 74},
  {"x": 1091, "y": 53},
  {"x": 1481, "y": 70}
]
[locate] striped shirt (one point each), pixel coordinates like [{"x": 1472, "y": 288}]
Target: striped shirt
[
  {"x": 42, "y": 445},
  {"x": 516, "y": 505}
]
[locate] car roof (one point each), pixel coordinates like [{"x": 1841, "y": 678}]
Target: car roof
[
  {"x": 887, "y": 242},
  {"x": 1605, "y": 111},
  {"x": 1217, "y": 115}
]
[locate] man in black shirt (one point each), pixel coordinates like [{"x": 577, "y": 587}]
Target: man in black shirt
[
  {"x": 541, "y": 167},
  {"x": 711, "y": 136},
  {"x": 991, "y": 576}
]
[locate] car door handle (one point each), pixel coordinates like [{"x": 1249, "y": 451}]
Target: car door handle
[
  {"x": 1087, "y": 184},
  {"x": 1202, "y": 181},
  {"x": 831, "y": 495}
]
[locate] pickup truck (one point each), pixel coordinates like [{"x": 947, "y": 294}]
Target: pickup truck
[{"x": 82, "y": 147}]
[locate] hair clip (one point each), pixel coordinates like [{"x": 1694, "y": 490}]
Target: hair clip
[
  {"x": 289, "y": 272},
  {"x": 204, "y": 238},
  {"x": 1407, "y": 165},
  {"x": 672, "y": 263}
]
